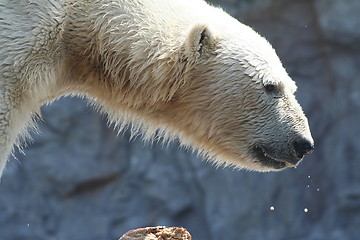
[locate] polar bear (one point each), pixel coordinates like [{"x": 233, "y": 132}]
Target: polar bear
[{"x": 172, "y": 69}]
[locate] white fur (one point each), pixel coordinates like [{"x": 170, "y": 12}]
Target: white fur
[{"x": 161, "y": 65}]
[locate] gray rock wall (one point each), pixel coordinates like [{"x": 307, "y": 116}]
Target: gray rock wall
[{"x": 80, "y": 181}]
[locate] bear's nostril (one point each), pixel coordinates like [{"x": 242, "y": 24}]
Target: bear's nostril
[{"x": 303, "y": 147}]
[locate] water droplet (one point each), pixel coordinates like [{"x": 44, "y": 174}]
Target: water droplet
[
  {"x": 272, "y": 208},
  {"x": 318, "y": 189},
  {"x": 28, "y": 224},
  {"x": 306, "y": 210},
  {"x": 308, "y": 186},
  {"x": 309, "y": 176}
]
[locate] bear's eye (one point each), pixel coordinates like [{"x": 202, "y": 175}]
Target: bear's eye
[{"x": 270, "y": 88}]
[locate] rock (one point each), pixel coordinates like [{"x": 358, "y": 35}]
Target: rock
[
  {"x": 339, "y": 22},
  {"x": 157, "y": 233}
]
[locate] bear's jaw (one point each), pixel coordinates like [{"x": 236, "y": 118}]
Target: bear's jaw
[{"x": 269, "y": 161}]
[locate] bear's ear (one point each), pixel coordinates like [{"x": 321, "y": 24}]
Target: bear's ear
[{"x": 199, "y": 41}]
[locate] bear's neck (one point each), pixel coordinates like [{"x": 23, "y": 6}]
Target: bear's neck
[{"x": 118, "y": 57}]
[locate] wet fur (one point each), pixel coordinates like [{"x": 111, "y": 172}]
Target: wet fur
[{"x": 172, "y": 69}]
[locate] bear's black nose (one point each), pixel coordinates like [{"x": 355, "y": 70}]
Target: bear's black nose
[{"x": 303, "y": 147}]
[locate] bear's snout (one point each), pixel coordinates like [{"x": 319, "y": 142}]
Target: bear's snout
[
  {"x": 271, "y": 156},
  {"x": 303, "y": 147}
]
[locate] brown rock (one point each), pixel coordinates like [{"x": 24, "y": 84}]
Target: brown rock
[{"x": 157, "y": 233}]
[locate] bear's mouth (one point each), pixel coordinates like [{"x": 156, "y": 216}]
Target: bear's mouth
[{"x": 266, "y": 159}]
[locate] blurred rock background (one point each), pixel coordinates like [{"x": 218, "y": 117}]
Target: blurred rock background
[{"x": 80, "y": 181}]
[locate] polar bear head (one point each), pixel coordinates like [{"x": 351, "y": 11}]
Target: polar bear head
[{"x": 240, "y": 105}]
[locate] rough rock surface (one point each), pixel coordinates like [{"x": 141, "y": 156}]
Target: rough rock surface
[
  {"x": 80, "y": 181},
  {"x": 157, "y": 233}
]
